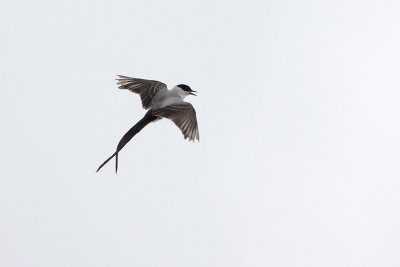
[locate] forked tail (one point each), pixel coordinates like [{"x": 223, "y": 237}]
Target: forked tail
[{"x": 128, "y": 136}]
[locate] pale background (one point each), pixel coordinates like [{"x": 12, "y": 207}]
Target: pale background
[{"x": 298, "y": 108}]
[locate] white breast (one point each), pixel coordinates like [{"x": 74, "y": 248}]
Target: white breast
[{"x": 165, "y": 98}]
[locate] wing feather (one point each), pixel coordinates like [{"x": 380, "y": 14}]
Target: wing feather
[
  {"x": 184, "y": 116},
  {"x": 147, "y": 89}
]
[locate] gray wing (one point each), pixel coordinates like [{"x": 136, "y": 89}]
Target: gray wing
[
  {"x": 147, "y": 89},
  {"x": 184, "y": 116}
]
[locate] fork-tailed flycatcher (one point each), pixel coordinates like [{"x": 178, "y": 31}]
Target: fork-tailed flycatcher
[{"x": 160, "y": 103}]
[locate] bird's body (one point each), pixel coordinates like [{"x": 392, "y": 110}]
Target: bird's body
[
  {"x": 161, "y": 103},
  {"x": 167, "y": 97}
]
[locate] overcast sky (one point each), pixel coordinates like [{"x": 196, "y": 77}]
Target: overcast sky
[{"x": 298, "y": 112}]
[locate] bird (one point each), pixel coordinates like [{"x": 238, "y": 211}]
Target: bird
[{"x": 160, "y": 102}]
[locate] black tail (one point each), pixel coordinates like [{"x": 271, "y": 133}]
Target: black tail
[{"x": 128, "y": 136}]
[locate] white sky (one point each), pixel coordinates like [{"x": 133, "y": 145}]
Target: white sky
[{"x": 298, "y": 111}]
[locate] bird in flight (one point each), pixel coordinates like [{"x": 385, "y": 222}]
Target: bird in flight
[{"x": 160, "y": 103}]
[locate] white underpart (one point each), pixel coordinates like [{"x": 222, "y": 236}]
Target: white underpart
[{"x": 166, "y": 98}]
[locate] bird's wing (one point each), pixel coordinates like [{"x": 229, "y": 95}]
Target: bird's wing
[
  {"x": 147, "y": 89},
  {"x": 184, "y": 116}
]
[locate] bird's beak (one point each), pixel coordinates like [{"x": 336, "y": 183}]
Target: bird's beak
[{"x": 192, "y": 93}]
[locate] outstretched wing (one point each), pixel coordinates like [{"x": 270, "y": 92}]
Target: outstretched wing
[
  {"x": 184, "y": 116},
  {"x": 147, "y": 89}
]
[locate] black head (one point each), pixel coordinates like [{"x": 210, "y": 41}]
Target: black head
[{"x": 186, "y": 88}]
